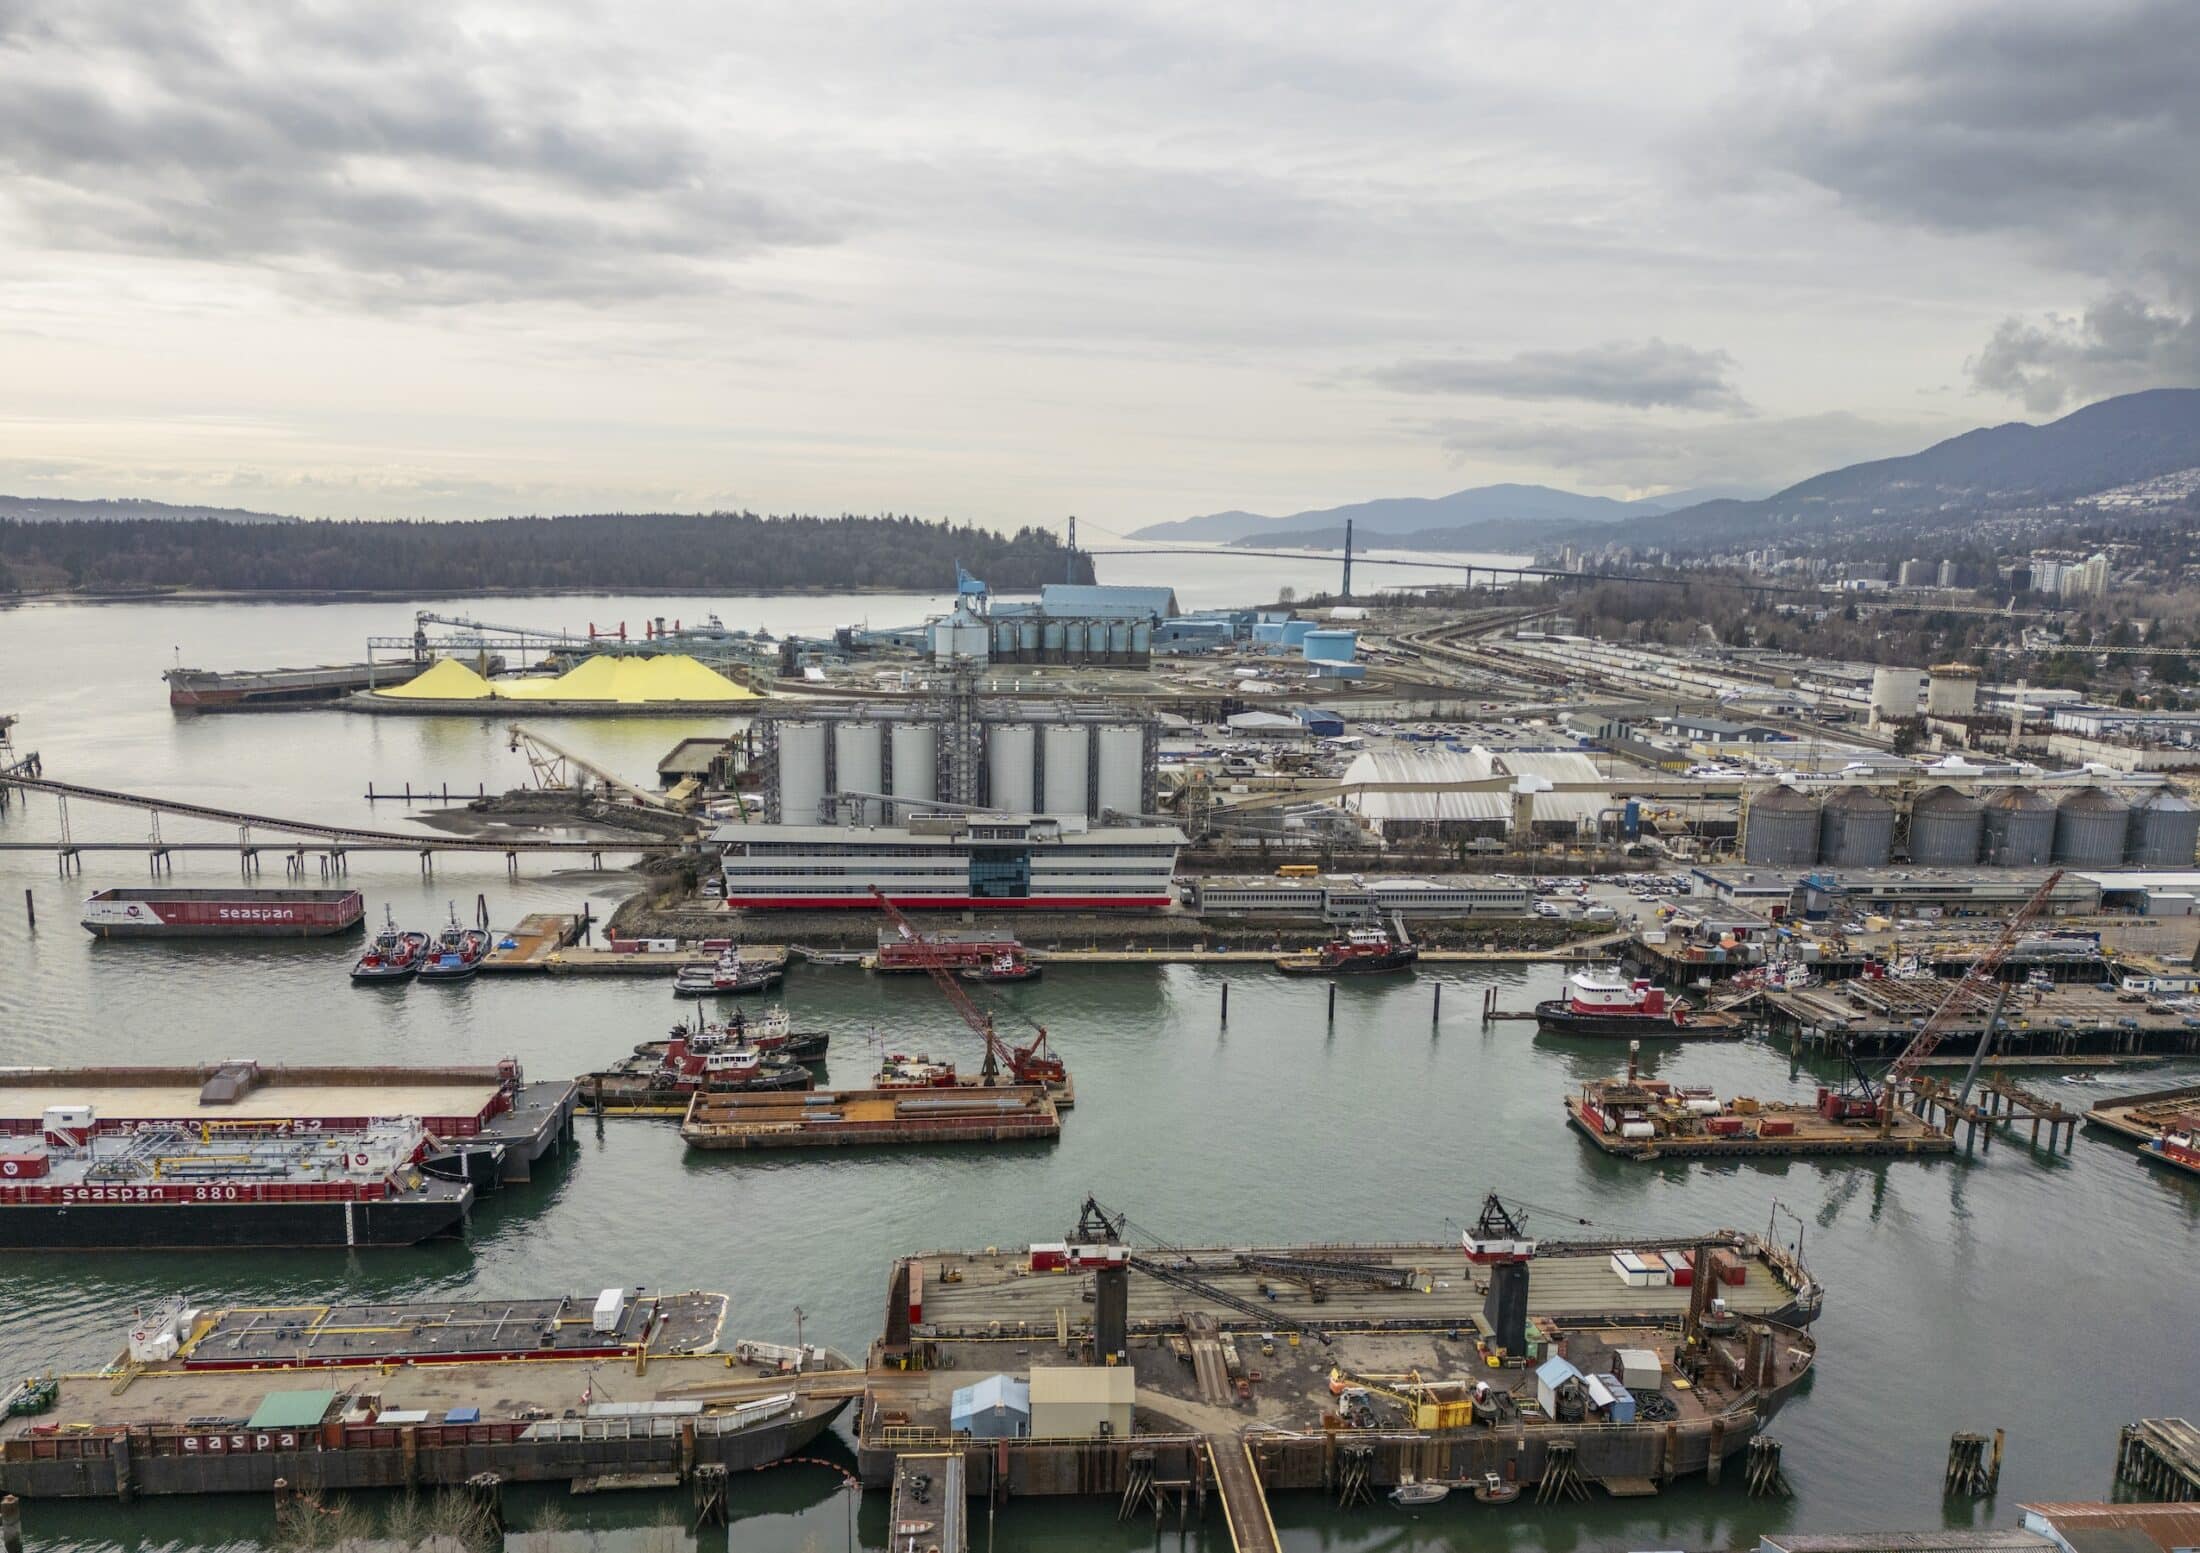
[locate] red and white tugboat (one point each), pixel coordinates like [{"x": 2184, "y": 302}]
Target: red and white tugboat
[
  {"x": 456, "y": 953},
  {"x": 393, "y": 956},
  {"x": 770, "y": 1032},
  {"x": 667, "y": 1082},
  {"x": 901, "y": 1071},
  {"x": 1609, "y": 1002},
  {"x": 1008, "y": 966},
  {"x": 1361, "y": 952},
  {"x": 2174, "y": 1146}
]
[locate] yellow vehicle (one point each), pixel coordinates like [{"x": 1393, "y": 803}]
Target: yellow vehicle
[
  {"x": 1441, "y": 1404},
  {"x": 1298, "y": 871}
]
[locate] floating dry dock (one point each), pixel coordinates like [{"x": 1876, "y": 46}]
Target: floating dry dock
[
  {"x": 826, "y": 1117},
  {"x": 490, "y": 1117},
  {"x": 1402, "y": 1369},
  {"x": 420, "y": 1419}
]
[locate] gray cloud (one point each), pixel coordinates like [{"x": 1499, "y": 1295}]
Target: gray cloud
[
  {"x": 2120, "y": 344},
  {"x": 1636, "y": 453},
  {"x": 1650, "y": 374},
  {"x": 391, "y": 155}
]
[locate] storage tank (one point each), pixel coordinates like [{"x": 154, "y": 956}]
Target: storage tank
[
  {"x": 1027, "y": 636},
  {"x": 859, "y": 760},
  {"x": 1050, "y": 641},
  {"x": 1953, "y": 690},
  {"x": 1331, "y": 646},
  {"x": 1895, "y": 693},
  {"x": 1004, "y": 638},
  {"x": 2020, "y": 828},
  {"x": 1009, "y": 765},
  {"x": 1142, "y": 639},
  {"x": 1073, "y": 640},
  {"x": 1122, "y": 769},
  {"x": 2090, "y": 828},
  {"x": 2165, "y": 832},
  {"x": 1782, "y": 829},
  {"x": 1295, "y": 632},
  {"x": 916, "y": 761},
  {"x": 1945, "y": 826},
  {"x": 1856, "y": 829},
  {"x": 1067, "y": 781},
  {"x": 1119, "y": 639},
  {"x": 801, "y": 772},
  {"x": 1268, "y": 633}
]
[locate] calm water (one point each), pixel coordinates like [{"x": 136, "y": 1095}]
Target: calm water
[{"x": 2050, "y": 1296}]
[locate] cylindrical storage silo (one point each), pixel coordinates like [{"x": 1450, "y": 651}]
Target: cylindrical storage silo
[
  {"x": 1067, "y": 781},
  {"x": 1027, "y": 637},
  {"x": 1295, "y": 632},
  {"x": 1073, "y": 640},
  {"x": 1119, "y": 639},
  {"x": 1895, "y": 693},
  {"x": 1004, "y": 638},
  {"x": 1780, "y": 829},
  {"x": 859, "y": 760},
  {"x": 1330, "y": 646},
  {"x": 1009, "y": 765},
  {"x": 1050, "y": 641},
  {"x": 2020, "y": 828},
  {"x": 1856, "y": 829},
  {"x": 801, "y": 772},
  {"x": 1142, "y": 639},
  {"x": 1945, "y": 826},
  {"x": 1267, "y": 633},
  {"x": 1952, "y": 691},
  {"x": 916, "y": 761},
  {"x": 2091, "y": 826},
  {"x": 1122, "y": 769},
  {"x": 2165, "y": 832}
]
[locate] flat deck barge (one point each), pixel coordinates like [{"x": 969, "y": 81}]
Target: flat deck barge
[
  {"x": 470, "y": 1110},
  {"x": 2166, "y": 1123},
  {"x": 161, "y": 912},
  {"x": 616, "y": 1324},
  {"x": 857, "y": 1117},
  {"x": 165, "y": 1429},
  {"x": 1646, "y": 1120}
]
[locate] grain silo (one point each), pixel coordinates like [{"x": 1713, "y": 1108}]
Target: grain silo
[
  {"x": 2019, "y": 830},
  {"x": 1780, "y": 828},
  {"x": 1952, "y": 691},
  {"x": 1122, "y": 768},
  {"x": 801, "y": 771},
  {"x": 1945, "y": 826},
  {"x": 858, "y": 758},
  {"x": 916, "y": 761},
  {"x": 2165, "y": 832},
  {"x": 1856, "y": 829},
  {"x": 1895, "y": 693},
  {"x": 1068, "y": 781},
  {"x": 1009, "y": 765},
  {"x": 2090, "y": 828}
]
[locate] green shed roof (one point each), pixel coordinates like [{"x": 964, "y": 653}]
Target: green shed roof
[{"x": 290, "y": 1410}]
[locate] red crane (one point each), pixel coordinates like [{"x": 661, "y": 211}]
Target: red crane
[
  {"x": 1982, "y": 974},
  {"x": 1032, "y": 1063}
]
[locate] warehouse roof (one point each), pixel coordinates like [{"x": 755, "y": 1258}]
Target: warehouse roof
[
  {"x": 1080, "y": 598},
  {"x": 1491, "y": 800}
]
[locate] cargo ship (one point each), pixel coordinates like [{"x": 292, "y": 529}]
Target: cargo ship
[
  {"x": 1609, "y": 1002},
  {"x": 1361, "y": 952},
  {"x": 275, "y": 690},
  {"x": 140, "y": 912},
  {"x": 171, "y": 1188},
  {"x": 771, "y": 1032},
  {"x": 380, "y": 1396}
]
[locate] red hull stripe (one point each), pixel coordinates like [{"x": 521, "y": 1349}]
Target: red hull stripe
[{"x": 942, "y": 902}]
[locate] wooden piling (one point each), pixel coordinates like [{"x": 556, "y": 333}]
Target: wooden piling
[
  {"x": 1226, "y": 1000},
  {"x": 30, "y": 908},
  {"x": 1332, "y": 1002},
  {"x": 11, "y": 1524}
]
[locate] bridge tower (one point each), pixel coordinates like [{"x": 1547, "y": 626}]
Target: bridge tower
[{"x": 1346, "y": 595}]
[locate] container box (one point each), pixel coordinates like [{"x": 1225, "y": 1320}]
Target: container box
[
  {"x": 1723, "y": 1126},
  {"x": 610, "y": 1306},
  {"x": 1776, "y": 1127},
  {"x": 1683, "y": 1264},
  {"x": 1639, "y": 1369},
  {"x": 1631, "y": 1269},
  {"x": 1050, "y": 1257}
]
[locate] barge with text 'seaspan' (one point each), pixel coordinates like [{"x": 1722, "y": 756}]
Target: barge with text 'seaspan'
[
  {"x": 626, "y": 1387},
  {"x": 160, "y": 912}
]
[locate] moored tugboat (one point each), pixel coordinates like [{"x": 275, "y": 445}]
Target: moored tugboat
[
  {"x": 770, "y": 1032},
  {"x": 1008, "y": 966},
  {"x": 666, "y": 1085},
  {"x": 1361, "y": 952},
  {"x": 456, "y": 953},
  {"x": 393, "y": 956},
  {"x": 727, "y": 976},
  {"x": 1608, "y": 1002},
  {"x": 2174, "y": 1146}
]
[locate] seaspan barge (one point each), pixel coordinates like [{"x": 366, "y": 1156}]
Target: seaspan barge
[
  {"x": 239, "y": 913},
  {"x": 164, "y": 1188},
  {"x": 420, "y": 1420}
]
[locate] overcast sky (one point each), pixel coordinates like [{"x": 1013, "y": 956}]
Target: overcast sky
[{"x": 1010, "y": 260}]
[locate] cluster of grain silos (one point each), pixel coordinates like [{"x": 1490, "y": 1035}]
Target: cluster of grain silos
[
  {"x": 1946, "y": 828},
  {"x": 1098, "y": 641},
  {"x": 2020, "y": 828},
  {"x": 1781, "y": 829}
]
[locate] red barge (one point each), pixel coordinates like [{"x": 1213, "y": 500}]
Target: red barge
[{"x": 240, "y": 913}]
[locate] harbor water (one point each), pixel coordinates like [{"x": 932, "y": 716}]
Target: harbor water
[{"x": 2050, "y": 1295}]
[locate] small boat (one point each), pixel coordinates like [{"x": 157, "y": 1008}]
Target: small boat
[
  {"x": 393, "y": 956},
  {"x": 1412, "y": 1493},
  {"x": 727, "y": 976},
  {"x": 2173, "y": 1146},
  {"x": 456, "y": 953},
  {"x": 1362, "y": 952},
  {"x": 2081, "y": 1078},
  {"x": 1495, "y": 1490},
  {"x": 901, "y": 1071},
  {"x": 1009, "y": 966},
  {"x": 1610, "y": 1002},
  {"x": 769, "y": 1032}
]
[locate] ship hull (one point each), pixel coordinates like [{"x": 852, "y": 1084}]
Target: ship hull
[
  {"x": 1554, "y": 1017},
  {"x": 1357, "y": 965},
  {"x": 223, "y": 1226}
]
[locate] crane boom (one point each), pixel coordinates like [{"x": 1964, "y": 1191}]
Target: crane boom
[
  {"x": 546, "y": 758},
  {"x": 1983, "y": 972},
  {"x": 1030, "y": 1064}
]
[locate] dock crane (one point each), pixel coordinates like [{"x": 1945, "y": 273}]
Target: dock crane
[
  {"x": 1097, "y": 1226},
  {"x": 554, "y": 766},
  {"x": 1984, "y": 971},
  {"x": 1031, "y": 1063}
]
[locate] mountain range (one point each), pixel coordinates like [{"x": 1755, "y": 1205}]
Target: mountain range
[
  {"x": 2011, "y": 467},
  {"x": 54, "y": 509}
]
